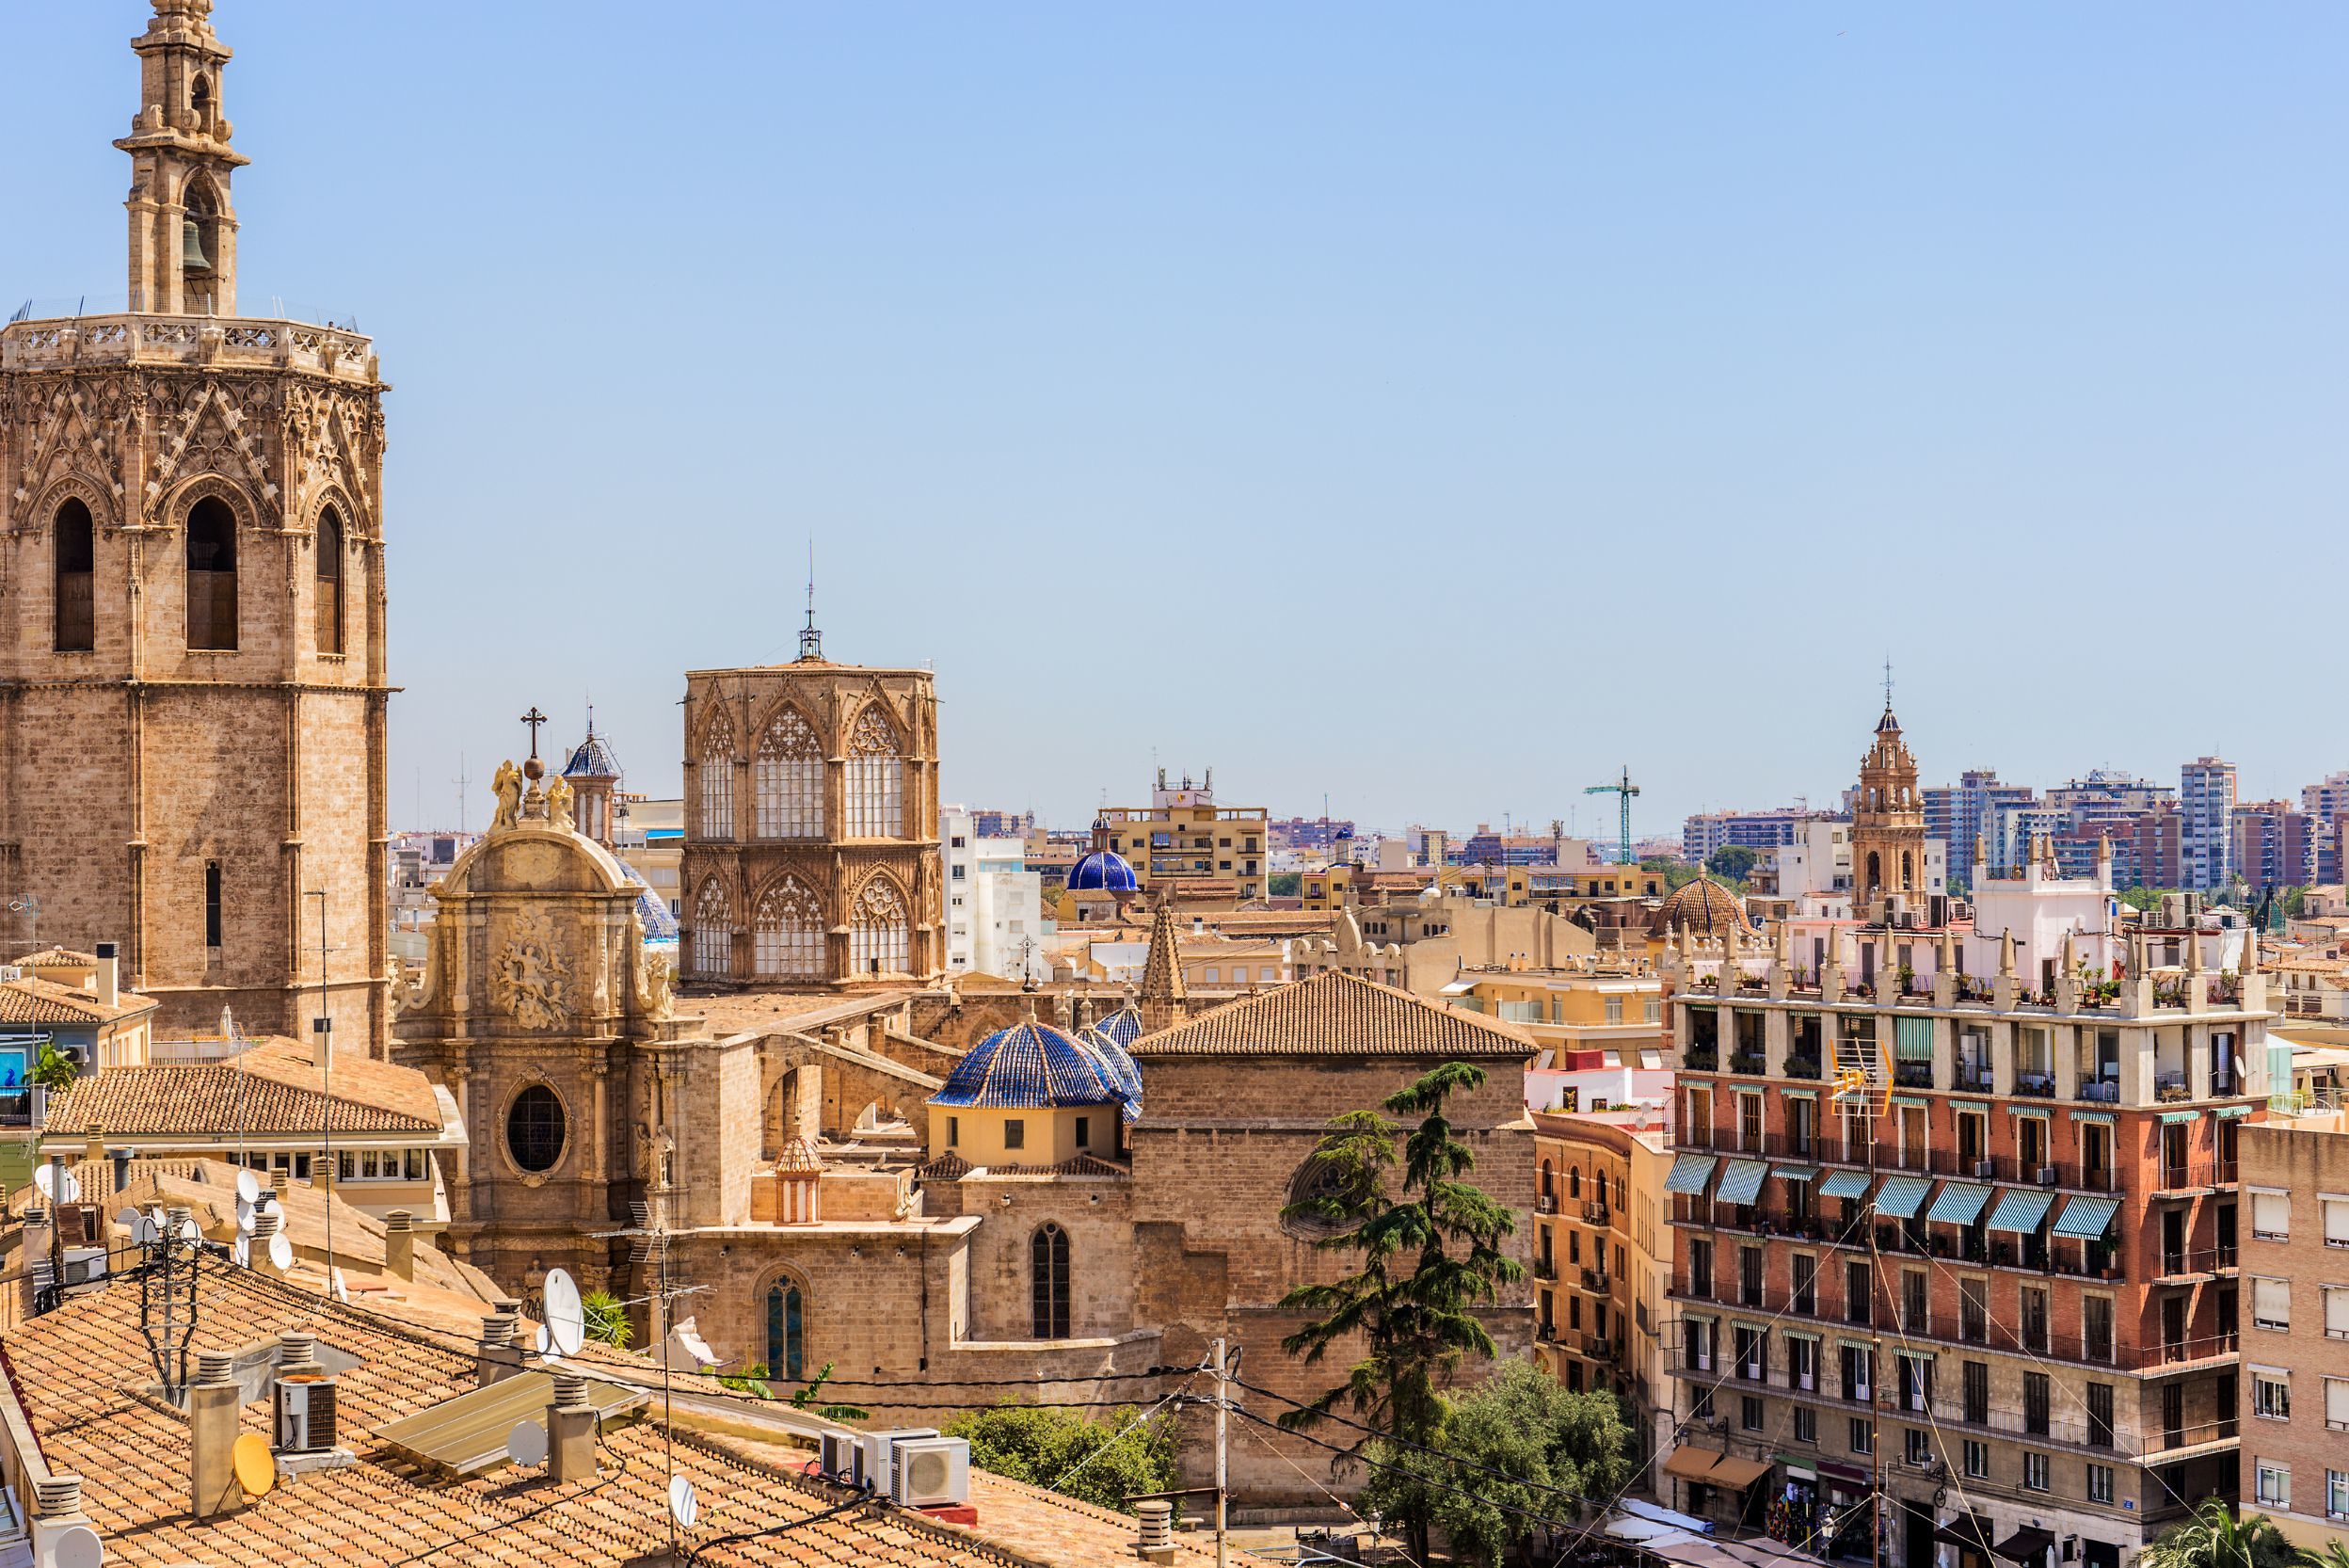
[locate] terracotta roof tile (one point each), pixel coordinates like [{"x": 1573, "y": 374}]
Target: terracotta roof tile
[
  {"x": 259, "y": 1092},
  {"x": 1336, "y": 1014},
  {"x": 45, "y": 1001}
]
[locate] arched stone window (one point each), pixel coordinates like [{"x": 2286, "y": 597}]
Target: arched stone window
[
  {"x": 1574, "y": 1182},
  {"x": 876, "y": 779},
  {"x": 879, "y": 938},
  {"x": 1549, "y": 1180},
  {"x": 1908, "y": 870},
  {"x": 1047, "y": 1275},
  {"x": 714, "y": 931},
  {"x": 1875, "y": 872},
  {"x": 329, "y": 581},
  {"x": 717, "y": 782},
  {"x": 212, "y": 576},
  {"x": 790, "y": 779},
  {"x": 77, "y": 579},
  {"x": 786, "y": 1331},
  {"x": 787, "y": 934}
]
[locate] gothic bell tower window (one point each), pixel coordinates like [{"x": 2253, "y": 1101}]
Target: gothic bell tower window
[
  {"x": 330, "y": 583},
  {"x": 212, "y": 576},
  {"x": 78, "y": 581}
]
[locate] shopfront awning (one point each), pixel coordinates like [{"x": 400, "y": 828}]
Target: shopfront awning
[
  {"x": 1959, "y": 1203},
  {"x": 2087, "y": 1219},
  {"x": 1969, "y": 1531},
  {"x": 1900, "y": 1196},
  {"x": 1713, "y": 1468},
  {"x": 1796, "y": 1173},
  {"x": 1741, "y": 1181},
  {"x": 1690, "y": 1172},
  {"x": 2028, "y": 1544},
  {"x": 1845, "y": 1184},
  {"x": 2020, "y": 1210}
]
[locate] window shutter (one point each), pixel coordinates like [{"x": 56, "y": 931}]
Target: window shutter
[
  {"x": 2337, "y": 1222},
  {"x": 2337, "y": 1310},
  {"x": 2271, "y": 1301},
  {"x": 2337, "y": 1402},
  {"x": 2271, "y": 1214}
]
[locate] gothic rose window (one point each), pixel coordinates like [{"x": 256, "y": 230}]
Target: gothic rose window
[
  {"x": 717, "y": 783},
  {"x": 877, "y": 937},
  {"x": 714, "y": 931},
  {"x": 787, "y": 933},
  {"x": 534, "y": 1129},
  {"x": 790, "y": 779},
  {"x": 876, "y": 779}
]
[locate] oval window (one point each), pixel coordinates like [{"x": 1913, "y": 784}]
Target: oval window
[{"x": 534, "y": 1129}]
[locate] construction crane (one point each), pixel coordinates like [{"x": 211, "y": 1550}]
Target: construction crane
[{"x": 1626, "y": 789}]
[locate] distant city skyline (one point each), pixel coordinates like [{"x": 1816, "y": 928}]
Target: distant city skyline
[{"x": 1555, "y": 390}]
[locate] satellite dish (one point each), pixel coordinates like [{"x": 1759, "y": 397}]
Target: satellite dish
[
  {"x": 684, "y": 1506},
  {"x": 341, "y": 1288},
  {"x": 546, "y": 1340},
  {"x": 567, "y": 1319},
  {"x": 155, "y": 1219},
  {"x": 241, "y": 1251},
  {"x": 280, "y": 1252},
  {"x": 244, "y": 1213},
  {"x": 67, "y": 1190},
  {"x": 527, "y": 1443},
  {"x": 78, "y": 1546},
  {"x": 191, "y": 1233},
  {"x": 256, "y": 1466},
  {"x": 247, "y": 1187},
  {"x": 130, "y": 1220}
]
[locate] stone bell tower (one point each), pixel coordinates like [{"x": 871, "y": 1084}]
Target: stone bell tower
[
  {"x": 192, "y": 671},
  {"x": 1888, "y": 820}
]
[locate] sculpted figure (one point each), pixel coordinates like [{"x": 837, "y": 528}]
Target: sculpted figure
[
  {"x": 507, "y": 786},
  {"x": 559, "y": 801}
]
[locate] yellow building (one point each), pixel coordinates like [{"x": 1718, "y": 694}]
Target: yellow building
[
  {"x": 1603, "y": 1261},
  {"x": 1182, "y": 836},
  {"x": 1601, "y": 1002}
]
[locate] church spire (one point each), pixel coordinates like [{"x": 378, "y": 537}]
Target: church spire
[
  {"x": 1164, "y": 1001},
  {"x": 182, "y": 225}
]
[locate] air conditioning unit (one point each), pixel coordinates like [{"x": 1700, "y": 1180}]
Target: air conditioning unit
[
  {"x": 2046, "y": 1175},
  {"x": 872, "y": 1455},
  {"x": 304, "y": 1413},
  {"x": 839, "y": 1455},
  {"x": 931, "y": 1472},
  {"x": 1985, "y": 1168}
]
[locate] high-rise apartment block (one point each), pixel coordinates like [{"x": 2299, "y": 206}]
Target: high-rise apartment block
[
  {"x": 2275, "y": 845},
  {"x": 2206, "y": 803},
  {"x": 1708, "y": 831},
  {"x": 2326, "y": 803},
  {"x": 1955, "y": 813}
]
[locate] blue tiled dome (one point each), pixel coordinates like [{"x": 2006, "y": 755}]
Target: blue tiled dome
[
  {"x": 1123, "y": 1075},
  {"x": 1123, "y": 1027},
  {"x": 1031, "y": 1066},
  {"x": 1102, "y": 872},
  {"x": 593, "y": 759},
  {"x": 660, "y": 925}
]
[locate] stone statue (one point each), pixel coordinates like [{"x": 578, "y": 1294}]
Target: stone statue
[
  {"x": 507, "y": 786},
  {"x": 559, "y": 801}
]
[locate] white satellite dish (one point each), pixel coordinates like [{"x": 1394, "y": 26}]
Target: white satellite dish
[
  {"x": 684, "y": 1507},
  {"x": 242, "y": 1251},
  {"x": 342, "y": 1287},
  {"x": 244, "y": 1213},
  {"x": 130, "y": 1220},
  {"x": 280, "y": 1252},
  {"x": 155, "y": 1219},
  {"x": 567, "y": 1318},
  {"x": 546, "y": 1340},
  {"x": 78, "y": 1546},
  {"x": 68, "y": 1190},
  {"x": 527, "y": 1443},
  {"x": 247, "y": 1187},
  {"x": 191, "y": 1233}
]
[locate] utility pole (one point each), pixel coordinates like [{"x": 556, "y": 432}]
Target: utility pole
[
  {"x": 321, "y": 1036},
  {"x": 1223, "y": 1434}
]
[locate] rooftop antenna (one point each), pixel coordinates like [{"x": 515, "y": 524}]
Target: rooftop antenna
[
  {"x": 461, "y": 784},
  {"x": 1888, "y": 682},
  {"x": 811, "y": 640}
]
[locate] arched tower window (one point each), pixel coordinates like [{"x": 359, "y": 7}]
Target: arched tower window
[
  {"x": 1549, "y": 1180},
  {"x": 212, "y": 575},
  {"x": 717, "y": 783},
  {"x": 1574, "y": 1182},
  {"x": 78, "y": 579},
  {"x": 330, "y": 583},
  {"x": 1047, "y": 1275},
  {"x": 1875, "y": 872},
  {"x": 877, "y": 935},
  {"x": 786, "y": 1331},
  {"x": 1908, "y": 870},
  {"x": 790, "y": 779},
  {"x": 714, "y": 931},
  {"x": 876, "y": 779},
  {"x": 787, "y": 934}
]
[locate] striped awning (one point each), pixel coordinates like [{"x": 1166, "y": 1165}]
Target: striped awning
[
  {"x": 1796, "y": 1173},
  {"x": 2229, "y": 1112},
  {"x": 1845, "y": 1184},
  {"x": 1741, "y": 1182},
  {"x": 1690, "y": 1172},
  {"x": 2170, "y": 1118},
  {"x": 1959, "y": 1203},
  {"x": 2039, "y": 1111},
  {"x": 1798, "y": 1094},
  {"x": 1900, "y": 1196},
  {"x": 2102, "y": 1118},
  {"x": 1911, "y": 1102},
  {"x": 1981, "y": 1107},
  {"x": 2087, "y": 1219},
  {"x": 2020, "y": 1210}
]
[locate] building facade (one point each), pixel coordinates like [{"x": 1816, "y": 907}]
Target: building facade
[
  {"x": 994, "y": 903},
  {"x": 1707, "y": 831},
  {"x": 192, "y": 661},
  {"x": 1955, "y": 813},
  {"x": 1184, "y": 838},
  {"x": 811, "y": 850},
  {"x": 2295, "y": 1391},
  {"x": 2206, "y": 807}
]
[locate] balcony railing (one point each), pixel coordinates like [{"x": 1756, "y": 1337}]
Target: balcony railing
[
  {"x": 1749, "y": 1061},
  {"x": 1973, "y": 1078},
  {"x": 2037, "y": 1083},
  {"x": 2198, "y": 1173},
  {"x": 1802, "y": 1066},
  {"x": 1914, "y": 1075}
]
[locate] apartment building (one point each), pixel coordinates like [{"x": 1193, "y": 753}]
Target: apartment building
[
  {"x": 1707, "y": 831},
  {"x": 1603, "y": 1263},
  {"x": 1598, "y": 1017},
  {"x": 1999, "y": 1290},
  {"x": 1184, "y": 837},
  {"x": 1954, "y": 813},
  {"x": 2294, "y": 1392},
  {"x": 2205, "y": 801}
]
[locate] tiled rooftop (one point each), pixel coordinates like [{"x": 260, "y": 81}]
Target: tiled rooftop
[
  {"x": 1336, "y": 1014},
  {"x": 270, "y": 1090}
]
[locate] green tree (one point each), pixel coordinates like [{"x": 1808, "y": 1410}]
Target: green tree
[
  {"x": 1521, "y": 1423},
  {"x": 2142, "y": 899},
  {"x": 2215, "y": 1537},
  {"x": 1097, "y": 1462},
  {"x": 1732, "y": 862},
  {"x": 1426, "y": 1259},
  {"x": 53, "y": 1069},
  {"x": 607, "y": 1320},
  {"x": 1676, "y": 873},
  {"x": 1286, "y": 885}
]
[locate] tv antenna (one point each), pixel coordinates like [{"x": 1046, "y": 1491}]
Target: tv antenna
[{"x": 647, "y": 1235}]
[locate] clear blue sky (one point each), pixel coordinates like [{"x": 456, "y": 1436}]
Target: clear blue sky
[{"x": 1584, "y": 386}]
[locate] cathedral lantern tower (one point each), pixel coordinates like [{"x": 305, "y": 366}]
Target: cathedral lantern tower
[
  {"x": 192, "y": 672},
  {"x": 1887, "y": 822}
]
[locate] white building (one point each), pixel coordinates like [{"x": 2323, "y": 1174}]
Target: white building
[
  {"x": 994, "y": 903},
  {"x": 1815, "y": 869},
  {"x": 2205, "y": 801}
]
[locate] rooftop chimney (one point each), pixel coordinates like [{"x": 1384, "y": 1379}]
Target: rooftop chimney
[
  {"x": 215, "y": 1402},
  {"x": 570, "y": 1431},
  {"x": 1155, "y": 1541},
  {"x": 266, "y": 1223},
  {"x": 498, "y": 1357},
  {"x": 109, "y": 975},
  {"x": 399, "y": 1244}
]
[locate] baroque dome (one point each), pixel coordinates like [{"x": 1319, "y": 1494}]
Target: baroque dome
[
  {"x": 1703, "y": 906},
  {"x": 1123, "y": 1075},
  {"x": 1102, "y": 872},
  {"x": 1031, "y": 1066}
]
